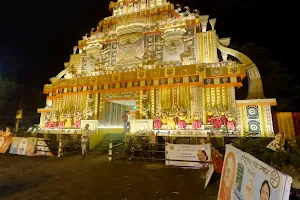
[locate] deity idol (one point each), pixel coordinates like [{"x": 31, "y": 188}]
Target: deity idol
[
  {"x": 164, "y": 118},
  {"x": 77, "y": 120},
  {"x": 170, "y": 122},
  {"x": 210, "y": 118},
  {"x": 230, "y": 123},
  {"x": 157, "y": 123},
  {"x": 62, "y": 120},
  {"x": 54, "y": 121},
  {"x": 68, "y": 123},
  {"x": 224, "y": 118},
  {"x": 196, "y": 121},
  {"x": 182, "y": 120},
  {"x": 131, "y": 43},
  {"x": 217, "y": 121},
  {"x": 47, "y": 122},
  {"x": 173, "y": 44}
]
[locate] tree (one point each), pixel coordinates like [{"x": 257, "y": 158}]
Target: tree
[
  {"x": 8, "y": 101},
  {"x": 277, "y": 80}
]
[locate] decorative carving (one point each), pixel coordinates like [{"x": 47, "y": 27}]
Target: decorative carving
[
  {"x": 173, "y": 44},
  {"x": 203, "y": 21},
  {"x": 213, "y": 23},
  {"x": 131, "y": 43},
  {"x": 74, "y": 49}
]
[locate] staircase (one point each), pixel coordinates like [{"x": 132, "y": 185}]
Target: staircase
[{"x": 115, "y": 137}]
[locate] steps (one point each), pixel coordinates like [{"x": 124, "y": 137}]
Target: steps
[{"x": 115, "y": 137}]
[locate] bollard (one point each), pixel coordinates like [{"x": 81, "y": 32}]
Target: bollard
[
  {"x": 110, "y": 152},
  {"x": 60, "y": 148}
]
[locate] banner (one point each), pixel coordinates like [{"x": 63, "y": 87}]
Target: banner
[
  {"x": 23, "y": 146},
  {"x": 4, "y": 143},
  {"x": 180, "y": 154},
  {"x": 244, "y": 177}
]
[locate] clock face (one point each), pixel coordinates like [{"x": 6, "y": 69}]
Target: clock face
[
  {"x": 275, "y": 179},
  {"x": 142, "y": 127}
]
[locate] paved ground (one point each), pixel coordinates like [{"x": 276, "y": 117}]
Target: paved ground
[{"x": 95, "y": 178}]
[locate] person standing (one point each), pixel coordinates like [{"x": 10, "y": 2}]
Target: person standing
[
  {"x": 126, "y": 119},
  {"x": 85, "y": 138}
]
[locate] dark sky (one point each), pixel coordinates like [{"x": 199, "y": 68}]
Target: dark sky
[{"x": 39, "y": 35}]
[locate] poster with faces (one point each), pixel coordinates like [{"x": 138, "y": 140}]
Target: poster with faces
[{"x": 245, "y": 177}]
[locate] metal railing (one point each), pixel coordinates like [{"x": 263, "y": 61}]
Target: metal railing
[{"x": 129, "y": 150}]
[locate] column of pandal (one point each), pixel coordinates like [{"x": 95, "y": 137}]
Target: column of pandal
[
  {"x": 140, "y": 103},
  {"x": 213, "y": 97},
  {"x": 152, "y": 103},
  {"x": 96, "y": 106},
  {"x": 218, "y": 96},
  {"x": 224, "y": 97}
]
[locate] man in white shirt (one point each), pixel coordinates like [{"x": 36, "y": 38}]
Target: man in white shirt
[{"x": 85, "y": 138}]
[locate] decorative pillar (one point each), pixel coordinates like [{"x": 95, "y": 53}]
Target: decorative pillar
[
  {"x": 96, "y": 107},
  {"x": 158, "y": 100},
  {"x": 74, "y": 49},
  {"x": 213, "y": 23},
  {"x": 101, "y": 107},
  {"x": 140, "y": 104},
  {"x": 256, "y": 117},
  {"x": 218, "y": 92},
  {"x": 152, "y": 97},
  {"x": 225, "y": 42},
  {"x": 42, "y": 120},
  {"x": 233, "y": 108},
  {"x": 204, "y": 105},
  {"x": 194, "y": 97},
  {"x": 200, "y": 102},
  {"x": 204, "y": 21},
  {"x": 224, "y": 97},
  {"x": 213, "y": 97}
]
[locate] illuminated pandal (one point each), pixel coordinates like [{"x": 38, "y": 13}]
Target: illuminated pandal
[{"x": 163, "y": 59}]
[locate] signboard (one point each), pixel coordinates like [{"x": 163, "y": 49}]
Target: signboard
[
  {"x": 209, "y": 174},
  {"x": 19, "y": 114},
  {"x": 245, "y": 177},
  {"x": 23, "y": 146},
  {"x": 141, "y": 125},
  {"x": 42, "y": 148},
  {"x": 4, "y": 143},
  {"x": 93, "y": 125},
  {"x": 180, "y": 154}
]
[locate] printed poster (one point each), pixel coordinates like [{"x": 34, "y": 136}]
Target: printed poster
[
  {"x": 4, "y": 143},
  {"x": 180, "y": 154},
  {"x": 23, "y": 146},
  {"x": 244, "y": 177},
  {"x": 42, "y": 148}
]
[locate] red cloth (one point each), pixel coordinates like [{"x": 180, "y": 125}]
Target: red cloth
[
  {"x": 181, "y": 124},
  {"x": 196, "y": 124},
  {"x": 224, "y": 120},
  {"x": 230, "y": 125},
  {"x": 296, "y": 120},
  {"x": 157, "y": 123},
  {"x": 176, "y": 119},
  {"x": 218, "y": 123},
  {"x": 210, "y": 119}
]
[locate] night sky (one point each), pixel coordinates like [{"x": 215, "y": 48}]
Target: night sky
[{"x": 38, "y": 36}]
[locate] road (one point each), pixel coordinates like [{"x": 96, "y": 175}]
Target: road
[{"x": 96, "y": 178}]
